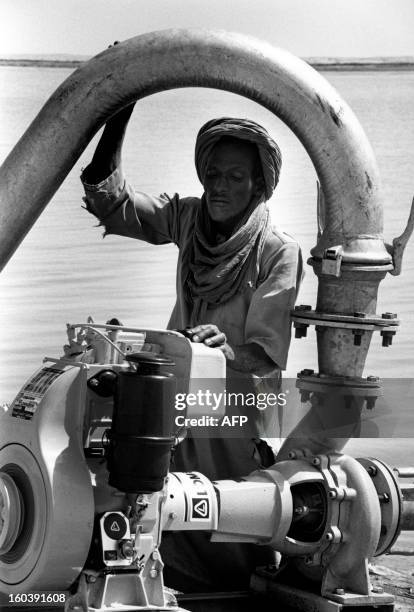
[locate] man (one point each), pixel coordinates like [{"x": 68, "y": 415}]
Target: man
[{"x": 237, "y": 280}]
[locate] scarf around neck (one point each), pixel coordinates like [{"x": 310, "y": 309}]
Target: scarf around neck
[{"x": 213, "y": 273}]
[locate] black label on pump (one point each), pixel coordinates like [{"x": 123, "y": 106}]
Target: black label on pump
[
  {"x": 200, "y": 508},
  {"x": 115, "y": 526}
]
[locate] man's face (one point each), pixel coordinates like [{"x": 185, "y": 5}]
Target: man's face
[{"x": 230, "y": 181}]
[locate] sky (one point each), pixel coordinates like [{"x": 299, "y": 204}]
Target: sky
[{"x": 347, "y": 28}]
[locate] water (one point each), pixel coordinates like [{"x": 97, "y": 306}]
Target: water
[{"x": 64, "y": 271}]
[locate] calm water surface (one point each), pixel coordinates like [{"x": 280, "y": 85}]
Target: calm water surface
[{"x": 64, "y": 271}]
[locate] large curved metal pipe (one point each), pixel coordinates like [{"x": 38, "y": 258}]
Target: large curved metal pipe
[{"x": 158, "y": 61}]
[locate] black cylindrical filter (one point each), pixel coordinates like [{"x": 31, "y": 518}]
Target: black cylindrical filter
[{"x": 141, "y": 437}]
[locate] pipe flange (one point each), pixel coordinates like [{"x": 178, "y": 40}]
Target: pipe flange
[
  {"x": 304, "y": 313},
  {"x": 390, "y": 501},
  {"x": 360, "y": 322},
  {"x": 369, "y": 388},
  {"x": 349, "y": 268}
]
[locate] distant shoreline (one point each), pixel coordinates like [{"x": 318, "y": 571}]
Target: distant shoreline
[{"x": 337, "y": 64}]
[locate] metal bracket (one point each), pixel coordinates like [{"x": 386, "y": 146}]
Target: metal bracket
[
  {"x": 398, "y": 244},
  {"x": 331, "y": 261},
  {"x": 306, "y": 601}
]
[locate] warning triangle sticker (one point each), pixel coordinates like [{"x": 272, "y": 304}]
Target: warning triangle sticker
[
  {"x": 115, "y": 526},
  {"x": 201, "y": 509}
]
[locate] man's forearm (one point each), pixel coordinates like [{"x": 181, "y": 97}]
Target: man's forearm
[{"x": 107, "y": 156}]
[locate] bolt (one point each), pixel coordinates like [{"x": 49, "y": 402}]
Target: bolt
[
  {"x": 384, "y": 498},
  {"x": 153, "y": 573},
  {"x": 371, "y": 402},
  {"x": 372, "y": 471},
  {"x": 304, "y": 395},
  {"x": 339, "y": 591},
  {"x": 316, "y": 461},
  {"x": 127, "y": 549},
  {"x": 388, "y": 315},
  {"x": 292, "y": 455},
  {"x": 348, "y": 401},
  {"x": 90, "y": 578},
  {"x": 357, "y": 336},
  {"x": 332, "y": 494},
  {"x": 329, "y": 536},
  {"x": 301, "y": 510},
  {"x": 377, "y": 589},
  {"x": 172, "y": 515},
  {"x": 301, "y": 330},
  {"x": 306, "y": 372},
  {"x": 155, "y": 555},
  {"x": 387, "y": 337},
  {"x": 349, "y": 493},
  {"x": 93, "y": 382}
]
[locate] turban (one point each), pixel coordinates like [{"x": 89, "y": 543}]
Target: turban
[{"x": 244, "y": 129}]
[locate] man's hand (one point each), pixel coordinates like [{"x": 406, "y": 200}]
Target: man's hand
[
  {"x": 211, "y": 336},
  {"x": 250, "y": 357}
]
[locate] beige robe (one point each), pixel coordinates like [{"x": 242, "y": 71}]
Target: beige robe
[{"x": 259, "y": 314}]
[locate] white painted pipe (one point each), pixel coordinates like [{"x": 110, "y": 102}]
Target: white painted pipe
[{"x": 169, "y": 59}]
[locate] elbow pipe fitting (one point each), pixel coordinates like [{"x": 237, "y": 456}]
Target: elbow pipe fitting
[{"x": 169, "y": 59}]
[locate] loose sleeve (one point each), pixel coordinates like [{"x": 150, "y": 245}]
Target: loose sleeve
[
  {"x": 268, "y": 318},
  {"x": 126, "y": 212}
]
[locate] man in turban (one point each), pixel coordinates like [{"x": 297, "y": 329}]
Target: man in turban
[{"x": 237, "y": 280}]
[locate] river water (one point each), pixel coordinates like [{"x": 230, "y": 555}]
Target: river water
[{"x": 64, "y": 271}]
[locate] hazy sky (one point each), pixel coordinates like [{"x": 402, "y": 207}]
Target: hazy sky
[{"x": 305, "y": 27}]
